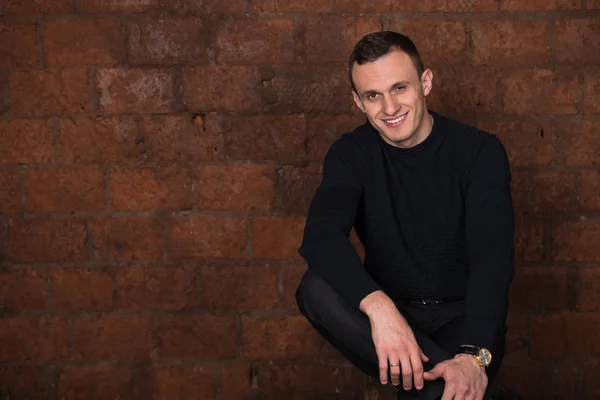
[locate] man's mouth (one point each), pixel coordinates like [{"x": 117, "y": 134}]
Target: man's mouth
[{"x": 395, "y": 121}]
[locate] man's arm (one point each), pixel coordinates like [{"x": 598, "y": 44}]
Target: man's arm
[
  {"x": 326, "y": 246},
  {"x": 490, "y": 241}
]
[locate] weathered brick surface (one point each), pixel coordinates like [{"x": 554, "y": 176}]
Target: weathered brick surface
[
  {"x": 158, "y": 157},
  {"x": 83, "y": 42},
  {"x": 18, "y": 44}
]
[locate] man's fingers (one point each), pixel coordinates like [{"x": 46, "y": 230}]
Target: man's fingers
[
  {"x": 424, "y": 358},
  {"x": 449, "y": 393},
  {"x": 434, "y": 373},
  {"x": 383, "y": 369},
  {"x": 407, "y": 373},
  {"x": 417, "y": 369},
  {"x": 395, "y": 370}
]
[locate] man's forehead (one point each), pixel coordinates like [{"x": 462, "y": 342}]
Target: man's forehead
[{"x": 393, "y": 67}]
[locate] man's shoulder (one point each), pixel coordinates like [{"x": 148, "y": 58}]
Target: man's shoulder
[{"x": 463, "y": 137}]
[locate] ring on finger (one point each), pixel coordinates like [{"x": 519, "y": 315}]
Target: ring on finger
[{"x": 394, "y": 364}]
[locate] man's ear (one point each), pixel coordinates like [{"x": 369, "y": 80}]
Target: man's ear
[
  {"x": 358, "y": 102},
  {"x": 427, "y": 81}
]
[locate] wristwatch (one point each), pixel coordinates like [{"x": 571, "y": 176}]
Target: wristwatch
[{"x": 481, "y": 354}]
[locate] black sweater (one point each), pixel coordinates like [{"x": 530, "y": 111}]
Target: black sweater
[{"x": 436, "y": 221}]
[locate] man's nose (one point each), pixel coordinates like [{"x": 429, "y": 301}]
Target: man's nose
[{"x": 390, "y": 106}]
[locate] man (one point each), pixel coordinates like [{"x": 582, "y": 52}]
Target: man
[{"x": 430, "y": 200}]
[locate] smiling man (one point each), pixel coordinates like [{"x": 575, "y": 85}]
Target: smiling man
[{"x": 430, "y": 200}]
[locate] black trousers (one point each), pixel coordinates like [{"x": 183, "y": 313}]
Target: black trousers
[{"x": 437, "y": 329}]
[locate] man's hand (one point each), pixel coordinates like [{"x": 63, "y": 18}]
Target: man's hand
[
  {"x": 465, "y": 378},
  {"x": 395, "y": 342}
]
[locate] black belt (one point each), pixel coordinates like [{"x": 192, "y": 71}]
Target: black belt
[{"x": 425, "y": 302}]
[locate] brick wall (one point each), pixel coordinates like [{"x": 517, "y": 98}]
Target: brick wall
[{"x": 157, "y": 159}]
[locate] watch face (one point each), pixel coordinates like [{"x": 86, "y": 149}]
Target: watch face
[{"x": 485, "y": 356}]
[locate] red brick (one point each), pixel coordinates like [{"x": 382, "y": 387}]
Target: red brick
[
  {"x": 457, "y": 5},
  {"x": 122, "y": 6},
  {"x": 236, "y": 187},
  {"x": 588, "y": 289},
  {"x": 277, "y": 238},
  {"x": 10, "y": 191},
  {"x": 207, "y": 237},
  {"x": 100, "y": 140},
  {"x": 22, "y": 289},
  {"x": 321, "y": 46},
  {"x": 529, "y": 238},
  {"x": 18, "y": 44},
  {"x": 65, "y": 189},
  {"x": 185, "y": 382},
  {"x": 439, "y": 42},
  {"x": 255, "y": 41},
  {"x": 314, "y": 88},
  {"x": 112, "y": 337},
  {"x": 540, "y": 379},
  {"x": 145, "y": 287},
  {"x": 195, "y": 7},
  {"x": 50, "y": 92},
  {"x": 33, "y": 339},
  {"x": 85, "y": 382},
  {"x": 238, "y": 288},
  {"x": 236, "y": 382},
  {"x": 527, "y": 142},
  {"x": 26, "y": 142},
  {"x": 46, "y": 240},
  {"x": 517, "y": 335},
  {"x": 323, "y": 130},
  {"x": 161, "y": 188},
  {"x": 540, "y": 5},
  {"x": 177, "y": 138},
  {"x": 291, "y": 6},
  {"x": 83, "y": 42},
  {"x": 540, "y": 91},
  {"x": 591, "y": 91},
  {"x": 210, "y": 88},
  {"x": 24, "y": 383},
  {"x": 262, "y": 137},
  {"x": 539, "y": 288},
  {"x": 4, "y": 91},
  {"x": 509, "y": 43},
  {"x": 592, "y": 4},
  {"x": 577, "y": 241},
  {"x": 290, "y": 279},
  {"x": 19, "y": 7},
  {"x": 582, "y": 334},
  {"x": 591, "y": 372},
  {"x": 576, "y": 41},
  {"x": 279, "y": 338},
  {"x": 549, "y": 336},
  {"x": 375, "y": 6},
  {"x": 313, "y": 378},
  {"x": 167, "y": 42},
  {"x": 143, "y": 91},
  {"x": 589, "y": 187},
  {"x": 296, "y": 187},
  {"x": 126, "y": 238},
  {"x": 458, "y": 89},
  {"x": 80, "y": 289},
  {"x": 578, "y": 142},
  {"x": 197, "y": 336},
  {"x": 543, "y": 192}
]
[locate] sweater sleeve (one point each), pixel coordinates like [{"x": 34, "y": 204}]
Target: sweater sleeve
[
  {"x": 326, "y": 246},
  {"x": 490, "y": 242}
]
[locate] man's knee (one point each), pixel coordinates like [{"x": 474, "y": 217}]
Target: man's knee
[{"x": 306, "y": 292}]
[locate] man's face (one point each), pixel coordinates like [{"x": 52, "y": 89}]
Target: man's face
[{"x": 393, "y": 97}]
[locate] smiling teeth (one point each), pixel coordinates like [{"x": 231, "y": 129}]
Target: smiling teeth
[{"x": 394, "y": 121}]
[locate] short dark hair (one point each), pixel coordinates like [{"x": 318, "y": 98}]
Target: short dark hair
[{"x": 377, "y": 44}]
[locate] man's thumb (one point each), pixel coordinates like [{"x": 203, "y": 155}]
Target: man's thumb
[{"x": 434, "y": 373}]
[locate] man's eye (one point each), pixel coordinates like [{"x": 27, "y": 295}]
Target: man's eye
[
  {"x": 400, "y": 88},
  {"x": 372, "y": 96}
]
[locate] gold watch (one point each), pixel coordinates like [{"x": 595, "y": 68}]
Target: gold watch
[{"x": 481, "y": 354}]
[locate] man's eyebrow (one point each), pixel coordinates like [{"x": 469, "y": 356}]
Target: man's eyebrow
[{"x": 370, "y": 92}]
